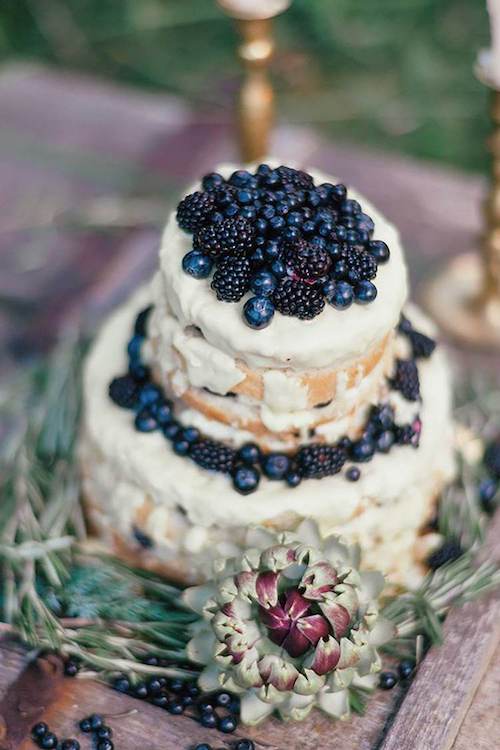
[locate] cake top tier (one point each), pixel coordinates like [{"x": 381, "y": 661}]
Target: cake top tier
[{"x": 282, "y": 268}]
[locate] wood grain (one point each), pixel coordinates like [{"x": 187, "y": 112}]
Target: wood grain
[{"x": 439, "y": 698}]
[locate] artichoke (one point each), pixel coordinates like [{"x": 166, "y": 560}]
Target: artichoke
[{"x": 290, "y": 625}]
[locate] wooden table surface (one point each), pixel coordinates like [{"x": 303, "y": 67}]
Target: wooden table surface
[{"x": 88, "y": 172}]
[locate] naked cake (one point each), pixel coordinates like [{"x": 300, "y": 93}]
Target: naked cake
[{"x": 272, "y": 370}]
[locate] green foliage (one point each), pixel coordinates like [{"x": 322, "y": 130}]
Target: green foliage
[{"x": 395, "y": 74}]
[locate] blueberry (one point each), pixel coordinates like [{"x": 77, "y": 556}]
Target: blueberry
[
  {"x": 105, "y": 745},
  {"x": 363, "y": 449},
  {"x": 353, "y": 474},
  {"x": 365, "y": 292},
  {"x": 387, "y": 680},
  {"x": 294, "y": 219},
  {"x": 385, "y": 441},
  {"x": 329, "y": 289},
  {"x": 338, "y": 192},
  {"x": 141, "y": 690},
  {"x": 161, "y": 700},
  {"x": 145, "y": 422},
  {"x": 197, "y": 264},
  {"x": 249, "y": 453},
  {"x": 272, "y": 250},
  {"x": 227, "y": 724},
  {"x": 223, "y": 699},
  {"x": 149, "y": 394},
  {"x": 275, "y": 465},
  {"x": 379, "y": 250},
  {"x": 276, "y": 224},
  {"x": 176, "y": 685},
  {"x": 245, "y": 479},
  {"x": 340, "y": 269},
  {"x": 291, "y": 234},
  {"x": 232, "y": 210},
  {"x": 487, "y": 491},
  {"x": 365, "y": 223},
  {"x": 206, "y": 706},
  {"x": 202, "y": 746},
  {"x": 39, "y": 730},
  {"x": 244, "y": 196},
  {"x": 192, "y": 689},
  {"x": 268, "y": 211},
  {"x": 181, "y": 446},
  {"x": 262, "y": 170},
  {"x": 154, "y": 686},
  {"x": 308, "y": 227},
  {"x": 212, "y": 180},
  {"x": 104, "y": 733},
  {"x": 70, "y": 744},
  {"x": 191, "y": 434},
  {"x": 334, "y": 249},
  {"x": 85, "y": 725},
  {"x": 257, "y": 258},
  {"x": 208, "y": 720},
  {"x": 293, "y": 478},
  {"x": 350, "y": 207},
  {"x": 352, "y": 237},
  {"x": 175, "y": 707},
  {"x": 406, "y": 668},
  {"x": 171, "y": 430},
  {"x": 240, "y": 178},
  {"x": 48, "y": 741},
  {"x": 343, "y": 296},
  {"x": 244, "y": 745},
  {"x": 134, "y": 347},
  {"x": 263, "y": 284},
  {"x": 138, "y": 371},
  {"x": 71, "y": 668},
  {"x": 162, "y": 412},
  {"x": 278, "y": 268},
  {"x": 258, "y": 312},
  {"x": 261, "y": 226}
]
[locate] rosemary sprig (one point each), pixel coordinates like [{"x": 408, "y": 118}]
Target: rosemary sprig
[{"x": 43, "y": 558}]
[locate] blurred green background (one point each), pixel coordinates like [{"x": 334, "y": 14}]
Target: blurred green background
[{"x": 393, "y": 74}]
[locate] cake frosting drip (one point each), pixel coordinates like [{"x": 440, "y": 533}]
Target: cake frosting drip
[{"x": 331, "y": 339}]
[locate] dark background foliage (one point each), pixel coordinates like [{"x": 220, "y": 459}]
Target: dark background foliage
[{"x": 395, "y": 74}]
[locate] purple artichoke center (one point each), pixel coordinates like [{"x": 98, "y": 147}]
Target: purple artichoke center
[{"x": 292, "y": 624}]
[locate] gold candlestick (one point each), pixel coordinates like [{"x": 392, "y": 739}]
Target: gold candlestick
[
  {"x": 465, "y": 297},
  {"x": 256, "y": 98}
]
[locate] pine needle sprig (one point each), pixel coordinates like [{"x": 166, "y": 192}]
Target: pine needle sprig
[{"x": 422, "y": 612}]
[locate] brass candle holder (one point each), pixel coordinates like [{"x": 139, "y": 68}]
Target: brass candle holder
[
  {"x": 256, "y": 97},
  {"x": 465, "y": 297}
]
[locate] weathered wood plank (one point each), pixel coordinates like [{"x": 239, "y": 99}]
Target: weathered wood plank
[
  {"x": 481, "y": 726},
  {"x": 443, "y": 690}
]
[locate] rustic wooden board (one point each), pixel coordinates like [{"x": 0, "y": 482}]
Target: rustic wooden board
[{"x": 60, "y": 147}]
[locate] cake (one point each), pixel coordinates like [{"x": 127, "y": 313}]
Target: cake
[{"x": 272, "y": 370}]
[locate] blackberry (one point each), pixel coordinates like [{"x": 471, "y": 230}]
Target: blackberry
[
  {"x": 214, "y": 456},
  {"x": 232, "y": 279},
  {"x": 360, "y": 264},
  {"x": 406, "y": 379},
  {"x": 318, "y": 461},
  {"x": 307, "y": 262},
  {"x": 124, "y": 391},
  {"x": 422, "y": 346},
  {"x": 492, "y": 457},
  {"x": 295, "y": 178},
  {"x": 404, "y": 434},
  {"x": 228, "y": 237},
  {"x": 298, "y": 299},
  {"x": 448, "y": 552},
  {"x": 194, "y": 210}
]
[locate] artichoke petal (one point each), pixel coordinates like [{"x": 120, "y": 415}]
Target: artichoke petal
[
  {"x": 308, "y": 683},
  {"x": 210, "y": 679},
  {"x": 335, "y": 704},
  {"x": 196, "y": 597},
  {"x": 266, "y": 586},
  {"x": 318, "y": 579},
  {"x": 200, "y": 648},
  {"x": 253, "y": 709},
  {"x": 278, "y": 673},
  {"x": 326, "y": 656}
]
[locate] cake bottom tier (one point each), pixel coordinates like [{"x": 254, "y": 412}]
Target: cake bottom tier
[{"x": 162, "y": 511}]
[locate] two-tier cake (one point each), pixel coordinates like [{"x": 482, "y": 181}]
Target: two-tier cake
[{"x": 271, "y": 371}]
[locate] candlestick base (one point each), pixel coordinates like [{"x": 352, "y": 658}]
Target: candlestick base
[{"x": 457, "y": 301}]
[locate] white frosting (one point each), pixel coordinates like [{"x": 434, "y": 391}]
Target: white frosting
[
  {"x": 146, "y": 465},
  {"x": 331, "y": 339}
]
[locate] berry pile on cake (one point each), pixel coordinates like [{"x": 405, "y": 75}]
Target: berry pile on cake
[{"x": 271, "y": 371}]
